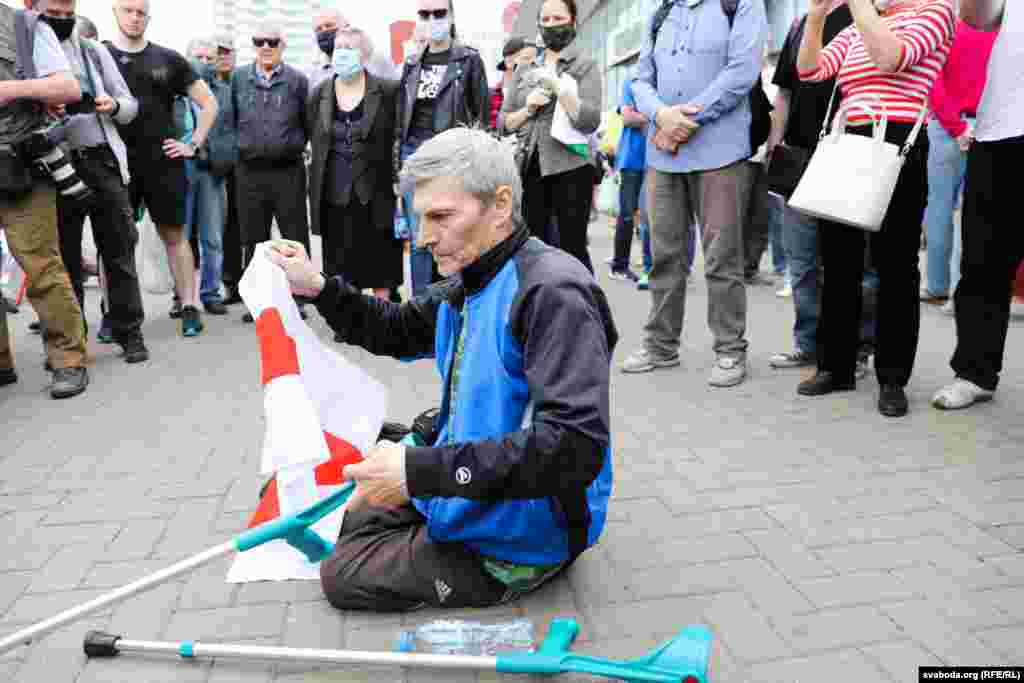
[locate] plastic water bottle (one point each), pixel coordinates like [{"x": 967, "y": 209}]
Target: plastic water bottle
[{"x": 457, "y": 637}]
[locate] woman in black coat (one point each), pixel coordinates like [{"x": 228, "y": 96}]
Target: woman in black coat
[{"x": 352, "y": 201}]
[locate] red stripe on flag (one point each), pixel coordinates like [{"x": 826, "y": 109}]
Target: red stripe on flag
[
  {"x": 278, "y": 353},
  {"x": 328, "y": 474}
]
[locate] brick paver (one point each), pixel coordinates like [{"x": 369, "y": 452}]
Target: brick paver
[{"x": 820, "y": 541}]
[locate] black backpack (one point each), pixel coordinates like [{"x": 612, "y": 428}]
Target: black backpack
[{"x": 760, "y": 106}]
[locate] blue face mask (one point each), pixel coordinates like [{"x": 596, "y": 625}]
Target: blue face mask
[{"x": 347, "y": 62}]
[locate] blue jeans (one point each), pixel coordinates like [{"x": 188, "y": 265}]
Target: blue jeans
[
  {"x": 775, "y": 235},
  {"x": 800, "y": 239},
  {"x": 631, "y": 184},
  {"x": 209, "y": 199},
  {"x": 421, "y": 263},
  {"x": 946, "y": 168}
]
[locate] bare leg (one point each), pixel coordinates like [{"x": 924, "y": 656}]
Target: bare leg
[{"x": 179, "y": 256}]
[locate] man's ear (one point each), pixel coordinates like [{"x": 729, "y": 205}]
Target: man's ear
[{"x": 503, "y": 200}]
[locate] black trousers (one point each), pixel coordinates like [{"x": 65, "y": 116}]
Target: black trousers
[
  {"x": 113, "y": 227},
  {"x": 567, "y": 197},
  {"x": 266, "y": 192},
  {"x": 384, "y": 561},
  {"x": 232, "y": 272},
  {"x": 993, "y": 248},
  {"x": 629, "y": 201},
  {"x": 894, "y": 253}
]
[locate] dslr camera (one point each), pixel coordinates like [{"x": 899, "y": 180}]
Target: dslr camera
[{"x": 42, "y": 148}]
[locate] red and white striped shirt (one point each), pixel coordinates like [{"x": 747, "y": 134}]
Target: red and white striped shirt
[{"x": 925, "y": 30}]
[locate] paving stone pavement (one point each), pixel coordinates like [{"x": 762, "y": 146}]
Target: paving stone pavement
[{"x": 820, "y": 540}]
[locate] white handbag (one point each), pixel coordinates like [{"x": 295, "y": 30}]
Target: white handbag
[{"x": 850, "y": 179}]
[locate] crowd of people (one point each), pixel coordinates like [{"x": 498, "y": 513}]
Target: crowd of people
[{"x": 218, "y": 153}]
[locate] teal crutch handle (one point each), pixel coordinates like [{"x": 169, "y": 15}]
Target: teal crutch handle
[
  {"x": 295, "y": 528},
  {"x": 561, "y": 634}
]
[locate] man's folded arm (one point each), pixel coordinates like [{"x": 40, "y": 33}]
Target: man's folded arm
[
  {"x": 383, "y": 328},
  {"x": 567, "y": 353}
]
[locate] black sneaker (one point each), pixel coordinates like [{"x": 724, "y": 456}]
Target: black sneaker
[
  {"x": 8, "y": 376},
  {"x": 248, "y": 319},
  {"x": 175, "y": 311},
  {"x": 624, "y": 276},
  {"x": 233, "y": 297},
  {"x": 135, "y": 351},
  {"x": 191, "y": 323},
  {"x": 68, "y": 382},
  {"x": 215, "y": 308},
  {"x": 35, "y": 328}
]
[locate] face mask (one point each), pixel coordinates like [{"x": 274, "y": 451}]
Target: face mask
[
  {"x": 325, "y": 39},
  {"x": 438, "y": 29},
  {"x": 347, "y": 62},
  {"x": 62, "y": 27},
  {"x": 557, "y": 38}
]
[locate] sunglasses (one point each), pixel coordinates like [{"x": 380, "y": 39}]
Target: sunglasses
[
  {"x": 271, "y": 42},
  {"x": 425, "y": 14}
]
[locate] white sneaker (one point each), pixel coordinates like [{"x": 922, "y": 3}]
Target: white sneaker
[
  {"x": 786, "y": 292},
  {"x": 644, "y": 361},
  {"x": 960, "y": 394},
  {"x": 949, "y": 308},
  {"x": 728, "y": 371}
]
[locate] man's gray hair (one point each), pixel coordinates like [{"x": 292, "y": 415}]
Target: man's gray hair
[
  {"x": 482, "y": 164},
  {"x": 270, "y": 29}
]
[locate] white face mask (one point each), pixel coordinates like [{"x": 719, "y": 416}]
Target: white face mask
[{"x": 438, "y": 29}]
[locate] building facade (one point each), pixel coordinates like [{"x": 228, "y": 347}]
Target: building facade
[{"x": 242, "y": 18}]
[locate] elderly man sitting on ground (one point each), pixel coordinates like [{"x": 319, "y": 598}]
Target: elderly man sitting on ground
[{"x": 516, "y": 484}]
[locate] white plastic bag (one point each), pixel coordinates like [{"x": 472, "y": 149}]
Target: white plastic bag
[
  {"x": 608, "y": 195},
  {"x": 151, "y": 255},
  {"x": 562, "y": 127}
]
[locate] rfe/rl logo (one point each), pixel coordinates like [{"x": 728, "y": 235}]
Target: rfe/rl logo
[{"x": 463, "y": 476}]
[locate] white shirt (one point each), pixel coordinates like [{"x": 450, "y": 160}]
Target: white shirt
[{"x": 1001, "y": 112}]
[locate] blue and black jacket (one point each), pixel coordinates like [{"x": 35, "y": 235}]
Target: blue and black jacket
[{"x": 522, "y": 468}]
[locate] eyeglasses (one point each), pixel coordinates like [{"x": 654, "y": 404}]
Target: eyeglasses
[
  {"x": 271, "y": 42},
  {"x": 425, "y": 14}
]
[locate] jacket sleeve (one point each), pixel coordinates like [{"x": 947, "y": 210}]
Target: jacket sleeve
[
  {"x": 404, "y": 331},
  {"x": 396, "y": 153},
  {"x": 588, "y": 119},
  {"x": 115, "y": 85},
  {"x": 303, "y": 92},
  {"x": 567, "y": 356},
  {"x": 479, "y": 96}
]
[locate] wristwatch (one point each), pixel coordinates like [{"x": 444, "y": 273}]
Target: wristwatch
[{"x": 194, "y": 146}]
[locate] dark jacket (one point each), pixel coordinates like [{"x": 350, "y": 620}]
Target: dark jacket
[
  {"x": 271, "y": 121},
  {"x": 522, "y": 467},
  {"x": 222, "y": 143},
  {"x": 464, "y": 98},
  {"x": 373, "y": 172}
]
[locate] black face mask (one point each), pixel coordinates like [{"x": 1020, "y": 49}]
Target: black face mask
[
  {"x": 557, "y": 38},
  {"x": 62, "y": 27},
  {"x": 325, "y": 39}
]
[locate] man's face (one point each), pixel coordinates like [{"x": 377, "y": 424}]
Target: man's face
[
  {"x": 269, "y": 48},
  {"x": 455, "y": 226},
  {"x": 60, "y": 9},
  {"x": 225, "y": 63},
  {"x": 132, "y": 17}
]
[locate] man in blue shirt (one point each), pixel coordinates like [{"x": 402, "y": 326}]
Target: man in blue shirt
[
  {"x": 693, "y": 83},
  {"x": 630, "y": 162}
]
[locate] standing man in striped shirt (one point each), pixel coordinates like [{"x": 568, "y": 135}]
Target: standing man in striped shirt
[
  {"x": 894, "y": 51},
  {"x": 992, "y": 238}
]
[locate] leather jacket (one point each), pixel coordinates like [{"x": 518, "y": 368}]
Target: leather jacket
[{"x": 464, "y": 98}]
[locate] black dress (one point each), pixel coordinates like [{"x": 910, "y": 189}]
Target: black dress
[{"x": 361, "y": 252}]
